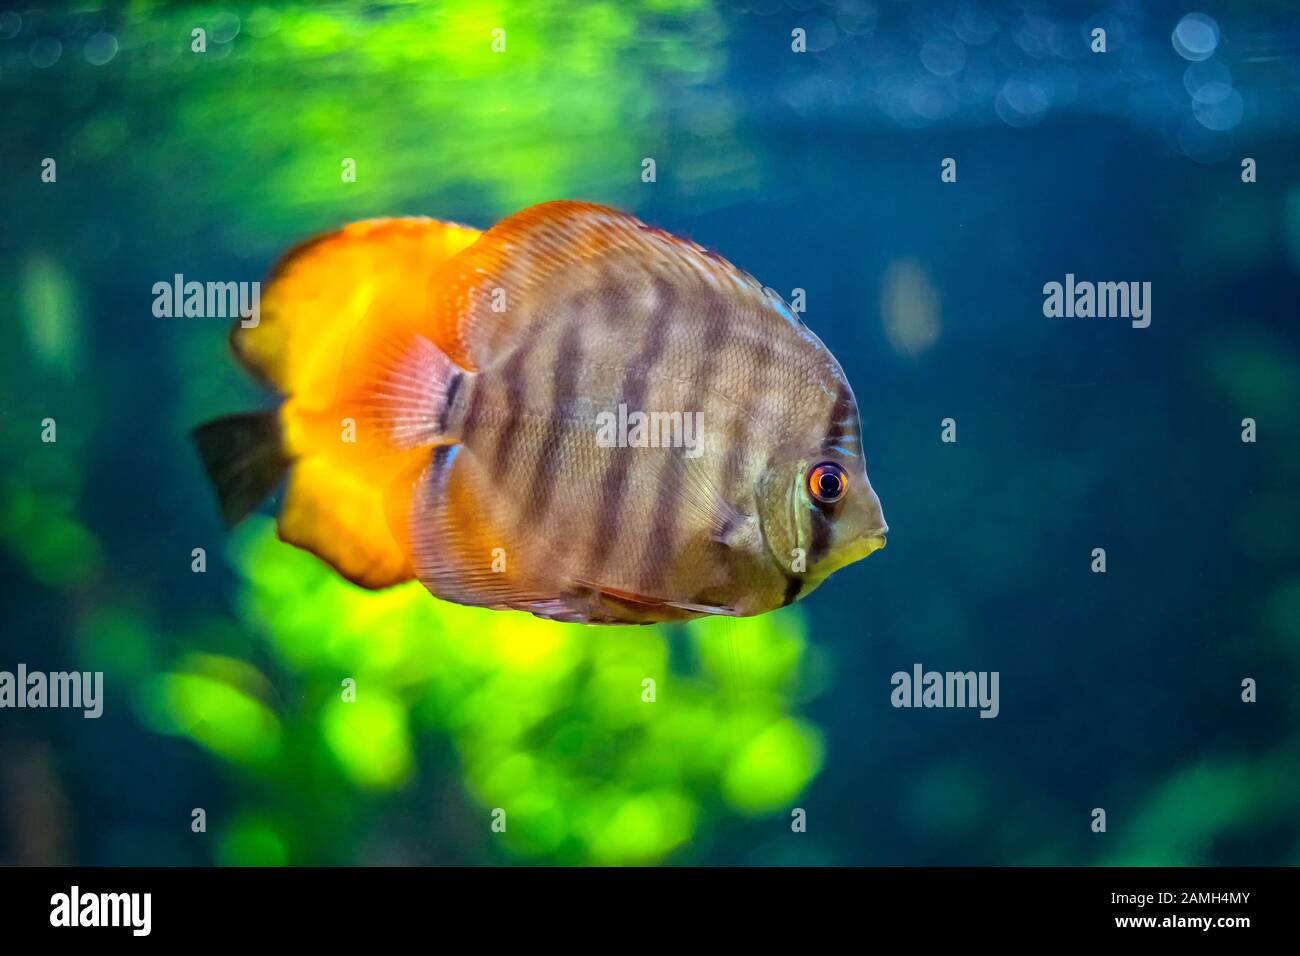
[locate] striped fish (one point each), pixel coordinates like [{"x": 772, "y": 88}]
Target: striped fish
[{"x": 572, "y": 414}]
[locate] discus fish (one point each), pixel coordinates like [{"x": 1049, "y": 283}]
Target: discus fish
[{"x": 572, "y": 414}]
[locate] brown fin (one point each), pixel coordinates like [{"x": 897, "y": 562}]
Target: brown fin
[
  {"x": 658, "y": 608},
  {"x": 700, "y": 497},
  {"x": 244, "y": 459}
]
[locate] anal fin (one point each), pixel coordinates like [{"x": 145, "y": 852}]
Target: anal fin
[
  {"x": 648, "y": 608},
  {"x": 338, "y": 516}
]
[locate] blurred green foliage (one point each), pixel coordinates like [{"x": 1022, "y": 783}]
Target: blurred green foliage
[
  {"x": 546, "y": 721},
  {"x": 550, "y": 722},
  {"x": 425, "y": 98}
]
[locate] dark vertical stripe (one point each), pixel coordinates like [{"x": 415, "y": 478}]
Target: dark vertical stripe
[
  {"x": 793, "y": 585},
  {"x": 821, "y": 536},
  {"x": 614, "y": 304},
  {"x": 564, "y": 388},
  {"x": 445, "y": 415},
  {"x": 473, "y": 419},
  {"x": 822, "y": 516},
  {"x": 442, "y": 457},
  {"x": 738, "y": 437},
  {"x": 841, "y": 417},
  {"x": 515, "y": 376},
  {"x": 661, "y": 544},
  {"x": 632, "y": 393}
]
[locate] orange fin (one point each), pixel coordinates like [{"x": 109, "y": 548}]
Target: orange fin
[
  {"x": 341, "y": 518},
  {"x": 321, "y": 291},
  {"x": 345, "y": 333}
]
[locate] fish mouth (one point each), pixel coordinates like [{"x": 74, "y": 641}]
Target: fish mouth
[{"x": 871, "y": 541}]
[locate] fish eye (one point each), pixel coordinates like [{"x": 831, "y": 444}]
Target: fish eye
[{"x": 827, "y": 482}]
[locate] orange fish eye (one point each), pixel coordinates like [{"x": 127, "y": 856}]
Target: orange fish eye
[{"x": 827, "y": 482}]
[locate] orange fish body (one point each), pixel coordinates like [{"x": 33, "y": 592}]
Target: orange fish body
[{"x": 571, "y": 414}]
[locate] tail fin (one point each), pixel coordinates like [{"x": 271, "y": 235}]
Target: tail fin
[
  {"x": 346, "y": 333},
  {"x": 245, "y": 460}
]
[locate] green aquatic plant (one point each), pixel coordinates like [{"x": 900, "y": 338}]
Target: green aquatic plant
[
  {"x": 577, "y": 744},
  {"x": 499, "y": 104},
  {"x": 49, "y": 422},
  {"x": 541, "y": 720},
  {"x": 1207, "y": 803}
]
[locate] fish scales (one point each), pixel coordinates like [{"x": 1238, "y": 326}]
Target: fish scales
[{"x": 498, "y": 488}]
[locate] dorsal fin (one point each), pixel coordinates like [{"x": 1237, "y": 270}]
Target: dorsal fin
[
  {"x": 491, "y": 294},
  {"x": 321, "y": 291}
]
